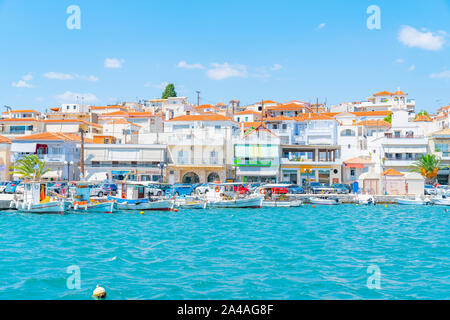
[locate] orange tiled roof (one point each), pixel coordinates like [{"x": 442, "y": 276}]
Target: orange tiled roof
[
  {"x": 206, "y": 106},
  {"x": 371, "y": 113},
  {"x": 399, "y": 93},
  {"x": 287, "y": 107},
  {"x": 423, "y": 118},
  {"x": 250, "y": 124},
  {"x": 392, "y": 172},
  {"x": 313, "y": 116},
  {"x": 22, "y": 111},
  {"x": 20, "y": 120},
  {"x": 51, "y": 136},
  {"x": 383, "y": 93},
  {"x": 247, "y": 112},
  {"x": 374, "y": 123},
  {"x": 202, "y": 117},
  {"x": 4, "y": 140},
  {"x": 358, "y": 160},
  {"x": 280, "y": 118}
]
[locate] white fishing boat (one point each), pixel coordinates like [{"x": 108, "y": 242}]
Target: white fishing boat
[
  {"x": 282, "y": 203},
  {"x": 133, "y": 198},
  {"x": 232, "y": 195},
  {"x": 36, "y": 199},
  {"x": 365, "y": 199},
  {"x": 416, "y": 201},
  {"x": 441, "y": 201},
  {"x": 324, "y": 201}
]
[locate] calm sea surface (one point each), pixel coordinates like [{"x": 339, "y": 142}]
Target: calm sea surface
[{"x": 294, "y": 253}]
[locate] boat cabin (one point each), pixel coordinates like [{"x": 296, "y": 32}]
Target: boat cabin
[
  {"x": 35, "y": 192},
  {"x": 132, "y": 191}
]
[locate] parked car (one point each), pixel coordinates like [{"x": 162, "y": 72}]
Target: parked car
[
  {"x": 294, "y": 189},
  {"x": 317, "y": 187},
  {"x": 99, "y": 190},
  {"x": 3, "y": 185},
  {"x": 340, "y": 188},
  {"x": 180, "y": 190},
  {"x": 12, "y": 187},
  {"x": 430, "y": 190},
  {"x": 203, "y": 188},
  {"x": 57, "y": 187},
  {"x": 153, "y": 190}
]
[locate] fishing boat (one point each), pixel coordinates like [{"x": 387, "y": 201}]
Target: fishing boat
[
  {"x": 38, "y": 199},
  {"x": 324, "y": 201},
  {"x": 133, "y": 197},
  {"x": 82, "y": 201},
  {"x": 282, "y": 203},
  {"x": 365, "y": 199},
  {"x": 232, "y": 195},
  {"x": 190, "y": 203},
  {"x": 416, "y": 201},
  {"x": 441, "y": 201}
]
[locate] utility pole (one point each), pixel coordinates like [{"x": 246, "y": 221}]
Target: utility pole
[
  {"x": 82, "y": 152},
  {"x": 198, "y": 98},
  {"x": 262, "y": 111}
]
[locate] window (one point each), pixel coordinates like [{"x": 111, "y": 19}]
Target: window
[
  {"x": 352, "y": 172},
  {"x": 347, "y": 133},
  {"x": 246, "y": 119}
]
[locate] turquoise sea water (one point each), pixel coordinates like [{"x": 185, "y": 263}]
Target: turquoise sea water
[{"x": 282, "y": 253}]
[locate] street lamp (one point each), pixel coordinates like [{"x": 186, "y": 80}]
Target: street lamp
[
  {"x": 68, "y": 163},
  {"x": 162, "y": 165}
]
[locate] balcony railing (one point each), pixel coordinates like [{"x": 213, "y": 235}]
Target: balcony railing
[
  {"x": 252, "y": 163},
  {"x": 199, "y": 161}
]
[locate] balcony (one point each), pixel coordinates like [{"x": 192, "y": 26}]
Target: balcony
[
  {"x": 293, "y": 161},
  {"x": 398, "y": 162},
  {"x": 198, "y": 162},
  {"x": 252, "y": 163},
  {"x": 48, "y": 158}
]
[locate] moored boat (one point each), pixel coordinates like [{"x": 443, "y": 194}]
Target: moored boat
[
  {"x": 365, "y": 199},
  {"x": 82, "y": 202},
  {"x": 133, "y": 198},
  {"x": 190, "y": 203},
  {"x": 36, "y": 199},
  {"x": 282, "y": 203},
  {"x": 441, "y": 201},
  {"x": 415, "y": 201},
  {"x": 324, "y": 201},
  {"x": 232, "y": 195}
]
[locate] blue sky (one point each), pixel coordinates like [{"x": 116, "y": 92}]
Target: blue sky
[{"x": 247, "y": 50}]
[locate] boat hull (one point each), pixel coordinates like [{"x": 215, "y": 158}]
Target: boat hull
[
  {"x": 55, "y": 207},
  {"x": 441, "y": 202},
  {"x": 278, "y": 204},
  {"x": 254, "y": 203},
  {"x": 328, "y": 202},
  {"x": 103, "y": 207},
  {"x": 410, "y": 202},
  {"x": 163, "y": 205}
]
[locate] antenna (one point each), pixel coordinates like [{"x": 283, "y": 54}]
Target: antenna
[{"x": 198, "y": 98}]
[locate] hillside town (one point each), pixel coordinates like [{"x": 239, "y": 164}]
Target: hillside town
[{"x": 174, "y": 141}]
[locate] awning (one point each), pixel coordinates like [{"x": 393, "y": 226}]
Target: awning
[
  {"x": 354, "y": 165},
  {"x": 52, "y": 174},
  {"x": 256, "y": 173},
  {"x": 23, "y": 147}
]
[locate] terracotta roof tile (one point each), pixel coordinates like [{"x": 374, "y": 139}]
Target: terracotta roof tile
[{"x": 392, "y": 172}]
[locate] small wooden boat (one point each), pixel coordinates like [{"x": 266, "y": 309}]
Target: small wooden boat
[
  {"x": 82, "y": 202},
  {"x": 133, "y": 198},
  {"x": 324, "y": 201},
  {"x": 36, "y": 199},
  {"x": 365, "y": 199},
  {"x": 231, "y": 195},
  {"x": 282, "y": 203},
  {"x": 415, "y": 202},
  {"x": 441, "y": 201}
]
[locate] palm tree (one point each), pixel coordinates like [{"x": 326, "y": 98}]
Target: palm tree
[
  {"x": 30, "y": 167},
  {"x": 427, "y": 166}
]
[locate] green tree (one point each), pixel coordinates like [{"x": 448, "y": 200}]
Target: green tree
[
  {"x": 388, "y": 118},
  {"x": 423, "y": 112},
  {"x": 169, "y": 91},
  {"x": 427, "y": 166},
  {"x": 29, "y": 167}
]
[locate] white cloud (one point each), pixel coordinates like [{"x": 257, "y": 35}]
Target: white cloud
[
  {"x": 185, "y": 65},
  {"x": 412, "y": 68},
  {"x": 225, "y": 70},
  {"x": 276, "y": 67},
  {"x": 58, "y": 76},
  {"x": 157, "y": 86},
  {"x": 68, "y": 76},
  {"x": 71, "y": 97},
  {"x": 23, "y": 83},
  {"x": 414, "y": 38},
  {"x": 321, "y": 26},
  {"x": 114, "y": 63},
  {"x": 441, "y": 75},
  {"x": 399, "y": 60}
]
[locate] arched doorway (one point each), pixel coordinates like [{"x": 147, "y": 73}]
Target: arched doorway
[
  {"x": 191, "y": 177},
  {"x": 213, "y": 177}
]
